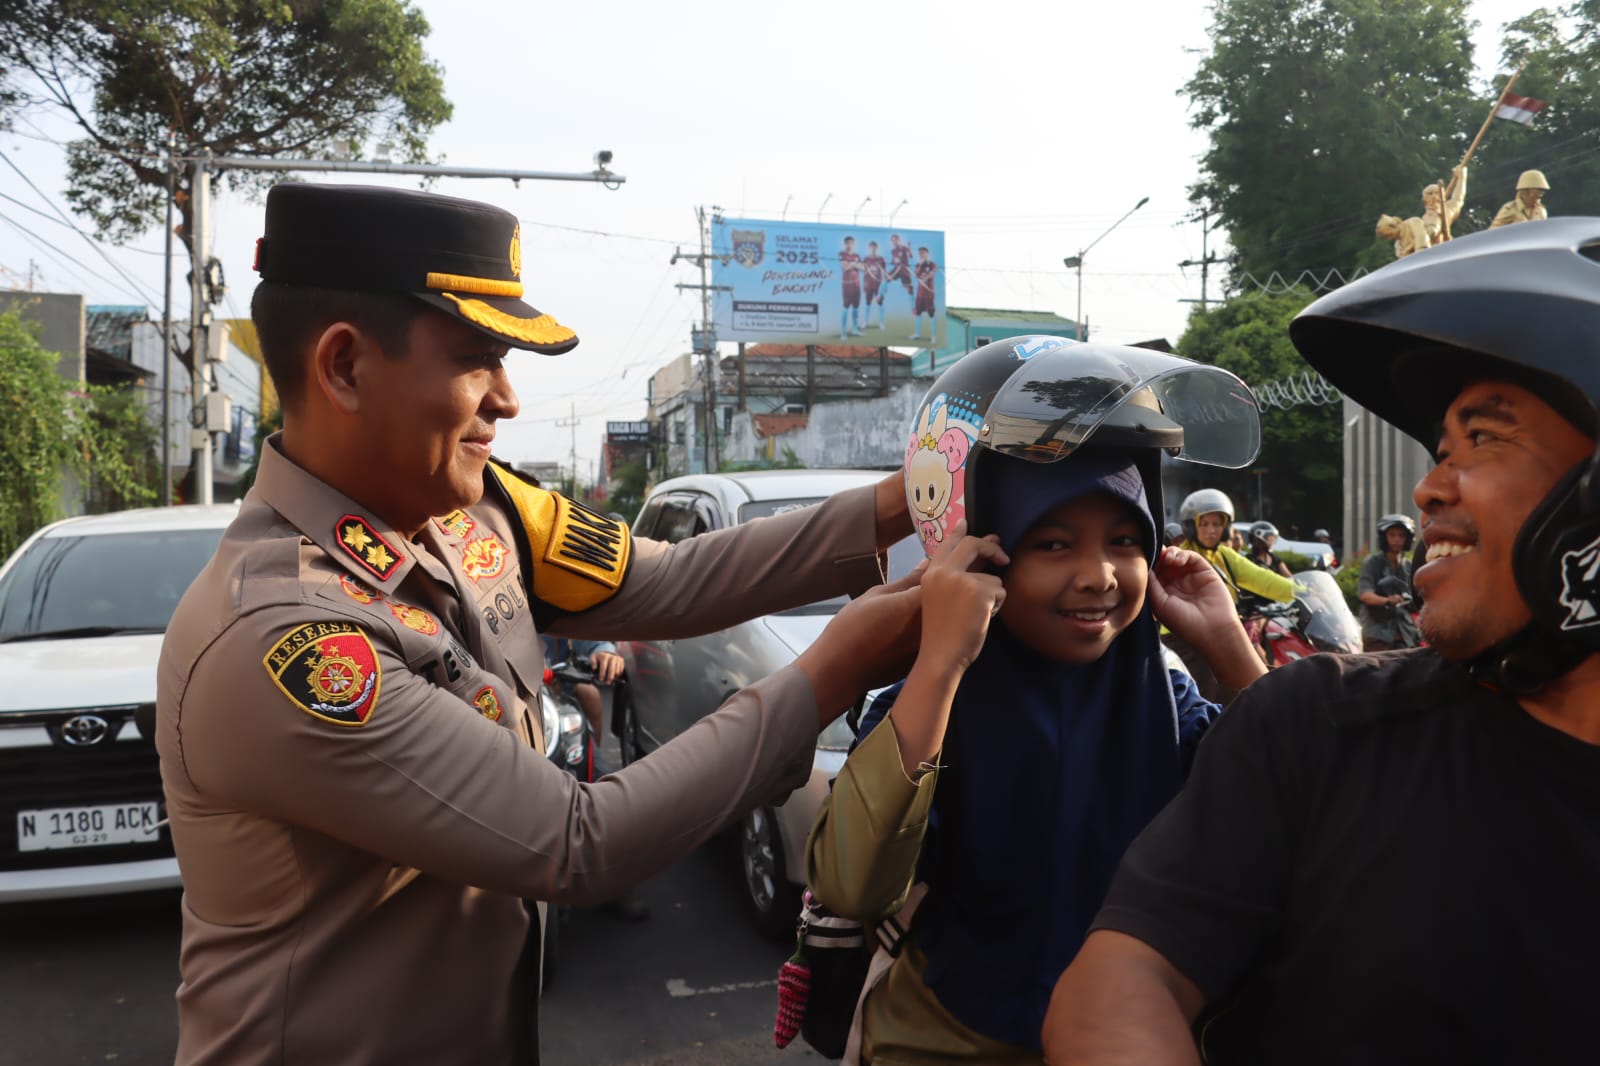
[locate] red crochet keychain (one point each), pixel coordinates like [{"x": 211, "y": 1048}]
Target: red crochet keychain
[{"x": 794, "y": 986}]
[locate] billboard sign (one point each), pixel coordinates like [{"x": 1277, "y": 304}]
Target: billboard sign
[
  {"x": 815, "y": 283},
  {"x": 630, "y": 432}
]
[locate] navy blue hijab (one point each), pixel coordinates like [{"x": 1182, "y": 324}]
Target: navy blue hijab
[{"x": 1050, "y": 770}]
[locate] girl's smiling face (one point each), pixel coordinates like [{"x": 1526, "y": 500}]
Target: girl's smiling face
[{"x": 1077, "y": 578}]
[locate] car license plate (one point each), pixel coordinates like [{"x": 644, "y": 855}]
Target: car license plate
[{"x": 87, "y": 827}]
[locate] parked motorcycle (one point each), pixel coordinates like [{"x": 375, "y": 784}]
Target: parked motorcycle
[{"x": 1317, "y": 620}]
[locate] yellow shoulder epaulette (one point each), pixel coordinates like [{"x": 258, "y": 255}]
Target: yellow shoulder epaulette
[{"x": 578, "y": 557}]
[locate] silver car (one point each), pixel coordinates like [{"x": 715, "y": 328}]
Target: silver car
[{"x": 674, "y": 683}]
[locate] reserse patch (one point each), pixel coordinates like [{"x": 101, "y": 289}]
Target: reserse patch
[{"x": 329, "y": 670}]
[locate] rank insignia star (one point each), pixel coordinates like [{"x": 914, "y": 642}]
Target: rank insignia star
[{"x": 363, "y": 543}]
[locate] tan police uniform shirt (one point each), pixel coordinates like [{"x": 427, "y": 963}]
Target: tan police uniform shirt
[{"x": 347, "y": 752}]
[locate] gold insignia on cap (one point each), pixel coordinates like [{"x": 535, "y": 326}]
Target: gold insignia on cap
[
  {"x": 481, "y": 286},
  {"x": 541, "y": 330},
  {"x": 516, "y": 251}
]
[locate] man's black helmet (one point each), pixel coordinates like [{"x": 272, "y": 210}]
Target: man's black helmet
[
  {"x": 1388, "y": 522},
  {"x": 1520, "y": 304}
]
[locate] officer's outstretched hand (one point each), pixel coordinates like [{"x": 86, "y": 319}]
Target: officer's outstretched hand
[{"x": 871, "y": 642}]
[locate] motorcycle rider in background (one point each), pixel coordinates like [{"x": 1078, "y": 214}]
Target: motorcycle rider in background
[
  {"x": 602, "y": 657},
  {"x": 1206, "y": 515},
  {"x": 1385, "y": 621},
  {"x": 1262, "y": 536}
]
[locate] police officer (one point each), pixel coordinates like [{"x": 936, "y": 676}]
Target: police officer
[
  {"x": 1394, "y": 858},
  {"x": 356, "y": 791}
]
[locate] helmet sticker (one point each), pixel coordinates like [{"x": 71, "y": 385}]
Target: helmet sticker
[
  {"x": 1032, "y": 346},
  {"x": 935, "y": 468},
  {"x": 1580, "y": 586}
]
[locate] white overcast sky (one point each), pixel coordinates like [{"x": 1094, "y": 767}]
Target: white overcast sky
[{"x": 1021, "y": 129}]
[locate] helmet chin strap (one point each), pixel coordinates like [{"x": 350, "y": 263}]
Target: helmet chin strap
[{"x": 1526, "y": 662}]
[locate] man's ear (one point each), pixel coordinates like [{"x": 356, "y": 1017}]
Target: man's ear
[{"x": 336, "y": 360}]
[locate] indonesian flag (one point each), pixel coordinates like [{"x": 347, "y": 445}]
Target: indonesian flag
[{"x": 1519, "y": 108}]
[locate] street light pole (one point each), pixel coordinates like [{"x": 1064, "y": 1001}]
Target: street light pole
[{"x": 1076, "y": 261}]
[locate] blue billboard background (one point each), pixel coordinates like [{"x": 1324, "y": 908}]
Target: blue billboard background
[{"x": 816, "y": 283}]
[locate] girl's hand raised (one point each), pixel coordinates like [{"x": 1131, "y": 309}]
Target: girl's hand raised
[{"x": 1189, "y": 598}]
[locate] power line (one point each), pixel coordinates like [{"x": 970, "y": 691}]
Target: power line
[
  {"x": 74, "y": 227},
  {"x": 52, "y": 250}
]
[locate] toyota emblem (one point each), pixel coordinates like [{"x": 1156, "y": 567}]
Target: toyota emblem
[{"x": 83, "y": 730}]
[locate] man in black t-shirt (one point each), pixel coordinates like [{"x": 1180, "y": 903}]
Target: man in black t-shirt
[{"x": 1395, "y": 858}]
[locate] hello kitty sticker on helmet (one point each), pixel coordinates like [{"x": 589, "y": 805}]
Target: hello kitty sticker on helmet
[{"x": 935, "y": 469}]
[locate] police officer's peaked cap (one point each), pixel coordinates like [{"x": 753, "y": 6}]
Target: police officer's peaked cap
[{"x": 460, "y": 256}]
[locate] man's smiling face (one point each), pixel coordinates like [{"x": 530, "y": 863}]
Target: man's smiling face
[{"x": 1501, "y": 451}]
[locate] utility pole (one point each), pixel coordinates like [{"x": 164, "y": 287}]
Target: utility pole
[
  {"x": 166, "y": 332},
  {"x": 562, "y": 423},
  {"x": 200, "y": 346},
  {"x": 1207, "y": 257},
  {"x": 705, "y": 337},
  {"x": 205, "y": 348}
]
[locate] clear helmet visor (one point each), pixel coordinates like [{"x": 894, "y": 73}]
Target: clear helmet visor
[{"x": 1065, "y": 395}]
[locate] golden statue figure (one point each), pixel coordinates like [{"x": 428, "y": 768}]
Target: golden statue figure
[
  {"x": 1531, "y": 187},
  {"x": 1406, "y": 233},
  {"x": 1441, "y": 206}
]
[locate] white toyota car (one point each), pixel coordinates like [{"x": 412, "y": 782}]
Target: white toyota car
[{"x": 83, "y": 606}]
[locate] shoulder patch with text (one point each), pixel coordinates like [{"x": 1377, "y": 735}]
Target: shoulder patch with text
[
  {"x": 587, "y": 543},
  {"x": 363, "y": 543},
  {"x": 329, "y": 670}
]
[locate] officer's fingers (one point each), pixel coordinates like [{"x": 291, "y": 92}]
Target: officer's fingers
[
  {"x": 986, "y": 551},
  {"x": 909, "y": 580},
  {"x": 952, "y": 541}
]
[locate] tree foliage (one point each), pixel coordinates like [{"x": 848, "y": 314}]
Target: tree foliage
[
  {"x": 47, "y": 429},
  {"x": 264, "y": 78},
  {"x": 1322, "y": 114},
  {"x": 1301, "y": 446},
  {"x": 630, "y": 482}
]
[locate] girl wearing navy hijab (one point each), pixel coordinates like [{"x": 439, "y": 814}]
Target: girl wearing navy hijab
[{"x": 1037, "y": 733}]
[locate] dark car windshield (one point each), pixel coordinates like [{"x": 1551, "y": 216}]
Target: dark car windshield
[{"x": 106, "y": 583}]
